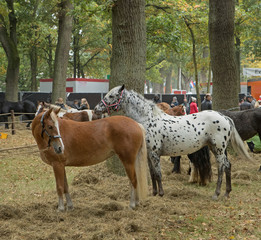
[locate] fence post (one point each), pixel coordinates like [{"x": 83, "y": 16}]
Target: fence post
[{"x": 13, "y": 120}]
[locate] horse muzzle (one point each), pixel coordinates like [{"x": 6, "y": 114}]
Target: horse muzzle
[{"x": 59, "y": 149}]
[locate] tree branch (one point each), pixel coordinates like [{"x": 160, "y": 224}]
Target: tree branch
[
  {"x": 155, "y": 64},
  {"x": 158, "y": 7}
]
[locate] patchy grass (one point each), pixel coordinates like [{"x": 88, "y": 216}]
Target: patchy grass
[{"x": 28, "y": 202}]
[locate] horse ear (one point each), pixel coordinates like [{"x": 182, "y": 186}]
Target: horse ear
[
  {"x": 47, "y": 114},
  {"x": 56, "y": 111},
  {"x": 122, "y": 88}
]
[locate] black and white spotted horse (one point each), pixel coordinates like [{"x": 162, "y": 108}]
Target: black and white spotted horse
[{"x": 173, "y": 136}]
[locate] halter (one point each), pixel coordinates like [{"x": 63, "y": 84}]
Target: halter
[
  {"x": 45, "y": 131},
  {"x": 114, "y": 106}
]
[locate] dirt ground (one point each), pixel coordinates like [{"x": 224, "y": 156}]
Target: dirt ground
[{"x": 28, "y": 202}]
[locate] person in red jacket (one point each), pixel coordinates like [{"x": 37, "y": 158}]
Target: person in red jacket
[{"x": 193, "y": 106}]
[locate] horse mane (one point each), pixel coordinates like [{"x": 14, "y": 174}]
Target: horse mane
[{"x": 149, "y": 104}]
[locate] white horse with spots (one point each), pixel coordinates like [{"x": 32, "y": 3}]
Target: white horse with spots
[{"x": 173, "y": 136}]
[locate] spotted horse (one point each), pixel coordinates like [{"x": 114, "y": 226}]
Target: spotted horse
[{"x": 173, "y": 136}]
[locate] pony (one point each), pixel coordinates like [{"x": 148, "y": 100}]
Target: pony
[
  {"x": 63, "y": 142},
  {"x": 200, "y": 165},
  {"x": 71, "y": 113},
  {"x": 25, "y": 106},
  {"x": 173, "y": 136}
]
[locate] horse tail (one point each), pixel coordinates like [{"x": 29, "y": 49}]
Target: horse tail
[
  {"x": 237, "y": 143},
  {"x": 141, "y": 168},
  {"x": 201, "y": 161}
]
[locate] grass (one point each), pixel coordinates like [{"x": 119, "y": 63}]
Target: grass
[{"x": 28, "y": 202}]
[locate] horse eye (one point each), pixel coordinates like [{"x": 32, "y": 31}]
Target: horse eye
[
  {"x": 50, "y": 127},
  {"x": 111, "y": 96}
]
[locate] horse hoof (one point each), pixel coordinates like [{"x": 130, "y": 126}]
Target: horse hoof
[
  {"x": 60, "y": 209},
  {"x": 215, "y": 197},
  {"x": 226, "y": 196},
  {"x": 154, "y": 193},
  {"x": 69, "y": 208},
  {"x": 161, "y": 194}
]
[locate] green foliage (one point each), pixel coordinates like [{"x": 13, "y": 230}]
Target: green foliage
[{"x": 168, "y": 39}]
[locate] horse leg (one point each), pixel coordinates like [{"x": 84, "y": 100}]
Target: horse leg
[
  {"x": 176, "y": 162},
  {"x": 129, "y": 165},
  {"x": 59, "y": 173},
  {"x": 67, "y": 194},
  {"x": 153, "y": 178},
  {"x": 228, "y": 176},
  {"x": 194, "y": 173},
  {"x": 228, "y": 180},
  {"x": 157, "y": 173},
  {"x": 223, "y": 164}
]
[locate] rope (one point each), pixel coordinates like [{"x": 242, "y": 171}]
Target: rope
[
  {"x": 15, "y": 148},
  {"x": 3, "y": 114}
]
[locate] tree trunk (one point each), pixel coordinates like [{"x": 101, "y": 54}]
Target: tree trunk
[
  {"x": 9, "y": 43},
  {"x": 168, "y": 80},
  {"x": 222, "y": 53},
  {"x": 33, "y": 61},
  {"x": 128, "y": 62},
  {"x": 50, "y": 57},
  {"x": 195, "y": 63},
  {"x": 238, "y": 43},
  {"x": 62, "y": 51}
]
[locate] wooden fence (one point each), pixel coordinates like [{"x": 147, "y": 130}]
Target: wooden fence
[{"x": 12, "y": 148}]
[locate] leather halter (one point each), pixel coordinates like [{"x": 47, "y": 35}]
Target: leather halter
[
  {"x": 45, "y": 131},
  {"x": 114, "y": 106}
]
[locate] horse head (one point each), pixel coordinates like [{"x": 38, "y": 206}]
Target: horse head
[
  {"x": 111, "y": 102},
  {"x": 50, "y": 130}
]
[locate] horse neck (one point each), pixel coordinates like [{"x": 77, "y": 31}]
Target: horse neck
[{"x": 137, "y": 107}]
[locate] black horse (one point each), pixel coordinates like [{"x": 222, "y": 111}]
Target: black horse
[
  {"x": 25, "y": 106},
  {"x": 247, "y": 123}
]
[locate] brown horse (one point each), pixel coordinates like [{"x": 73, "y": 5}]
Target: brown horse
[
  {"x": 175, "y": 111},
  {"x": 73, "y": 114},
  {"x": 69, "y": 143}
]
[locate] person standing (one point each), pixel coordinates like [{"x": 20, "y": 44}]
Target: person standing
[
  {"x": 186, "y": 105},
  {"x": 156, "y": 99},
  {"x": 84, "y": 104},
  {"x": 174, "y": 102},
  {"x": 206, "y": 103},
  {"x": 247, "y": 104},
  {"x": 193, "y": 105},
  {"x": 60, "y": 103}
]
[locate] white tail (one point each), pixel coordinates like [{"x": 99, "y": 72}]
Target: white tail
[{"x": 141, "y": 168}]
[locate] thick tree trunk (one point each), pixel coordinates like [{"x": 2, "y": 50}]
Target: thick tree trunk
[
  {"x": 62, "y": 51},
  {"x": 222, "y": 53},
  {"x": 128, "y": 62},
  {"x": 9, "y": 43},
  {"x": 33, "y": 61}
]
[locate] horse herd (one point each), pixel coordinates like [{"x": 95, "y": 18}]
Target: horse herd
[{"x": 139, "y": 138}]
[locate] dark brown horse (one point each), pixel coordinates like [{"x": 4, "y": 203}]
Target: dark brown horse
[{"x": 69, "y": 143}]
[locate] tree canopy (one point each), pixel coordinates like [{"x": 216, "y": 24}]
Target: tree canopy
[{"x": 169, "y": 44}]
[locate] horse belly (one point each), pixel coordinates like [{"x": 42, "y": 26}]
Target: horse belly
[{"x": 88, "y": 158}]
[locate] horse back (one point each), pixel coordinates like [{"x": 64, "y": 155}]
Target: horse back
[{"x": 116, "y": 133}]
